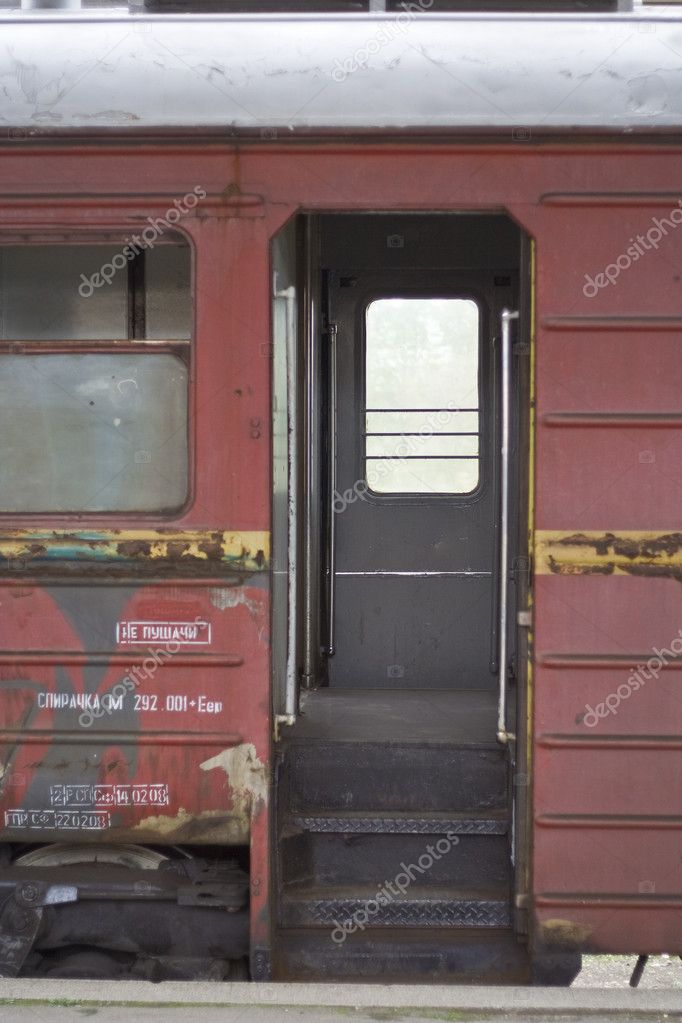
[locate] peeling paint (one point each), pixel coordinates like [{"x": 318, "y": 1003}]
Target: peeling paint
[
  {"x": 207, "y": 826},
  {"x": 208, "y": 549},
  {"x": 247, "y": 777},
  {"x": 636, "y": 553},
  {"x": 224, "y": 597},
  {"x": 564, "y": 933}
]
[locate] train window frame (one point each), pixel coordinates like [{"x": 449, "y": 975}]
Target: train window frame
[
  {"x": 182, "y": 348},
  {"x": 402, "y": 497}
]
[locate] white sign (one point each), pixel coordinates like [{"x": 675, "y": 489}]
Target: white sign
[{"x": 129, "y": 633}]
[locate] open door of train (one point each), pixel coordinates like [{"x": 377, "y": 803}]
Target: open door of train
[{"x": 403, "y": 420}]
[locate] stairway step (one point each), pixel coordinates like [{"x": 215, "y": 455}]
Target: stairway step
[
  {"x": 350, "y": 858},
  {"x": 403, "y": 824},
  {"x": 339, "y": 778},
  {"x": 311, "y": 907},
  {"x": 466, "y": 956}
]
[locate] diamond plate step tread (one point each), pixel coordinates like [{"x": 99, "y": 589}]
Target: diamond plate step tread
[
  {"x": 397, "y": 824},
  {"x": 430, "y": 911}
]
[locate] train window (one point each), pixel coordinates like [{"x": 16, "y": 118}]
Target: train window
[
  {"x": 87, "y": 292},
  {"x": 41, "y": 300},
  {"x": 422, "y": 396},
  {"x": 169, "y": 311},
  {"x": 94, "y": 378}
]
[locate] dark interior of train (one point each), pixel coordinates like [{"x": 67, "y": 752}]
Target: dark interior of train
[{"x": 396, "y": 505}]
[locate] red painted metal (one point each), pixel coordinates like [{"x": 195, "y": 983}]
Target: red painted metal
[{"x": 606, "y": 871}]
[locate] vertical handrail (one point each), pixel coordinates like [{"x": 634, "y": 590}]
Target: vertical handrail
[
  {"x": 505, "y": 432},
  {"x": 311, "y": 505},
  {"x": 291, "y": 677},
  {"x": 331, "y": 537}
]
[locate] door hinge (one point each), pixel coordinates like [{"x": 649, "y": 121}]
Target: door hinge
[
  {"x": 524, "y": 619},
  {"x": 331, "y": 329}
]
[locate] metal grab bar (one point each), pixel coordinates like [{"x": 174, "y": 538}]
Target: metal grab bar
[
  {"x": 505, "y": 431},
  {"x": 291, "y": 685},
  {"x": 331, "y": 539}
]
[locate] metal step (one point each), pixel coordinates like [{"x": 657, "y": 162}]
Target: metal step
[
  {"x": 337, "y": 779},
  {"x": 346, "y": 912},
  {"x": 463, "y": 955},
  {"x": 360, "y": 849},
  {"x": 493, "y": 823}
]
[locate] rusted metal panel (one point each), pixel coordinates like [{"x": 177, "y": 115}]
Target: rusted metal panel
[
  {"x": 644, "y": 553},
  {"x": 596, "y": 479},
  {"x": 607, "y": 786},
  {"x": 123, "y": 713},
  {"x": 134, "y": 660},
  {"x": 177, "y": 550}
]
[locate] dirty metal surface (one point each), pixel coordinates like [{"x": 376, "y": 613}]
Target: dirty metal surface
[
  {"x": 616, "y": 72},
  {"x": 448, "y": 910},
  {"x": 606, "y": 798},
  {"x": 175, "y": 551},
  {"x": 607, "y": 641},
  {"x": 122, "y": 714},
  {"x": 640, "y": 552},
  {"x": 134, "y": 662}
]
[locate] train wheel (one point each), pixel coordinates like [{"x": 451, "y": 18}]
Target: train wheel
[{"x": 136, "y": 857}]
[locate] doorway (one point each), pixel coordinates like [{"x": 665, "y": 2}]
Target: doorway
[
  {"x": 402, "y": 443},
  {"x": 402, "y": 397}
]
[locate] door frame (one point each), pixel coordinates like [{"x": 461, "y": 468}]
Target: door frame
[{"x": 298, "y": 612}]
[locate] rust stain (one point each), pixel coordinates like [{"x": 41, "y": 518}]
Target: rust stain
[
  {"x": 565, "y": 934},
  {"x": 213, "y": 549},
  {"x": 209, "y": 825},
  {"x": 636, "y": 553},
  {"x": 210, "y": 549},
  {"x": 134, "y": 548}
]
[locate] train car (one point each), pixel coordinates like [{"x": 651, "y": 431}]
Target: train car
[{"x": 340, "y": 550}]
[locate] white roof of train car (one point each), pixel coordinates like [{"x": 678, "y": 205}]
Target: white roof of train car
[{"x": 269, "y": 76}]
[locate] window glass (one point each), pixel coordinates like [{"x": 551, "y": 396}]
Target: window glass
[
  {"x": 94, "y": 377},
  {"x": 93, "y": 433},
  {"x": 40, "y": 298},
  {"x": 168, "y": 309},
  {"x": 422, "y": 396},
  {"x": 76, "y": 292}
]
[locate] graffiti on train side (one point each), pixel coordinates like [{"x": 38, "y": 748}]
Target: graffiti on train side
[{"x": 117, "y": 687}]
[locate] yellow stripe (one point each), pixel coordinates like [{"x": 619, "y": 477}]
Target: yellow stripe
[
  {"x": 248, "y": 550},
  {"x": 621, "y": 552}
]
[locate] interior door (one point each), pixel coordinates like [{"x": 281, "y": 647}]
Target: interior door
[{"x": 413, "y": 477}]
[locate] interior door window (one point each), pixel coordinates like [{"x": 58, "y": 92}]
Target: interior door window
[{"x": 422, "y": 415}]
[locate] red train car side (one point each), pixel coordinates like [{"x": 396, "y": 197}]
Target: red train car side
[{"x": 340, "y": 560}]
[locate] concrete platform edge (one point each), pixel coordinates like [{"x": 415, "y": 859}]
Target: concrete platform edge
[{"x": 399, "y": 996}]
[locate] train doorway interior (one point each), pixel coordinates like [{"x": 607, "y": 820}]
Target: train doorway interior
[{"x": 400, "y": 532}]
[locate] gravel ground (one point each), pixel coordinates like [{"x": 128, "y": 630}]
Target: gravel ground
[{"x": 615, "y": 972}]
